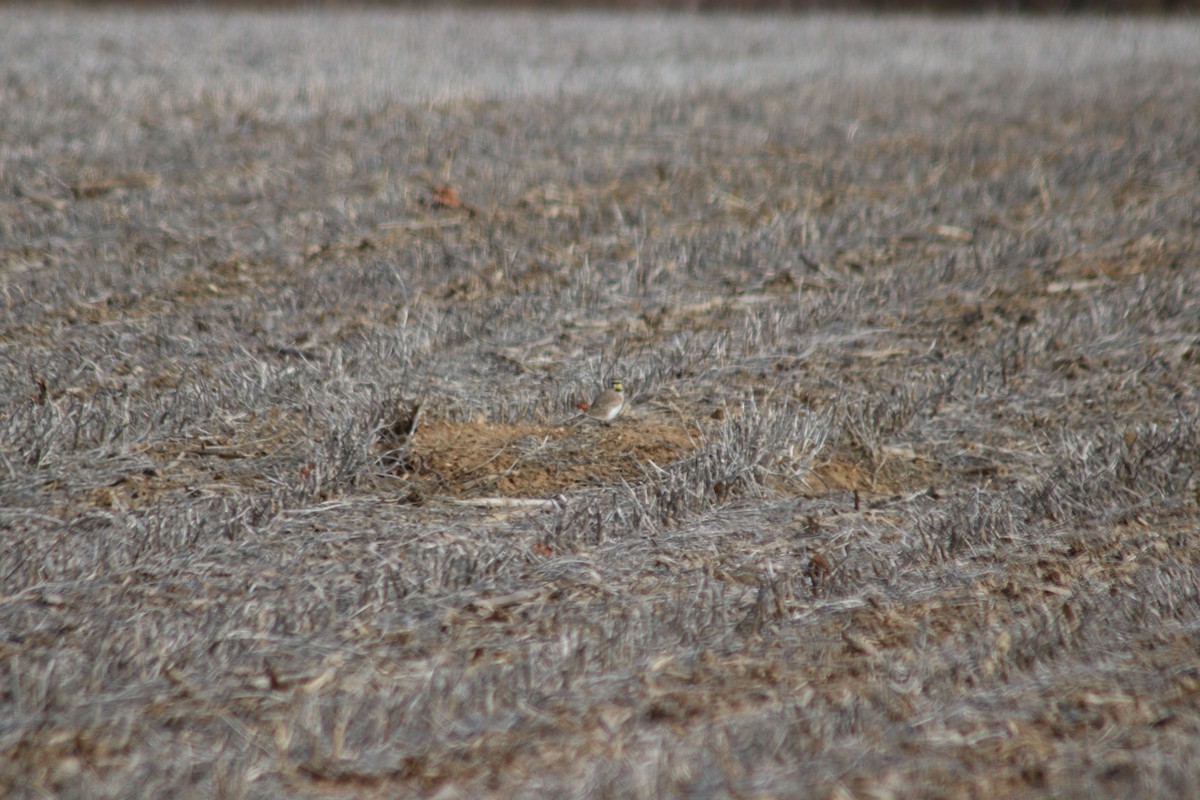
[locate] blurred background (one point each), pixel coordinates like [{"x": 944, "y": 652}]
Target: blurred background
[{"x": 925, "y": 6}]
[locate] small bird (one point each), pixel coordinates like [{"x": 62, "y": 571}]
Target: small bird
[{"x": 608, "y": 404}]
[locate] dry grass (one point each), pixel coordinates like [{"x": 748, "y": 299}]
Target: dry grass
[{"x": 905, "y": 504}]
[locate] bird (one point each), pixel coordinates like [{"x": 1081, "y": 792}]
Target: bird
[{"x": 608, "y": 404}]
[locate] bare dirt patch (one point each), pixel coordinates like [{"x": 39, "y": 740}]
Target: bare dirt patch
[
  {"x": 482, "y": 459},
  {"x": 900, "y": 470}
]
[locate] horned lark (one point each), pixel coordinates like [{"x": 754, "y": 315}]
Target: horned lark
[{"x": 608, "y": 404}]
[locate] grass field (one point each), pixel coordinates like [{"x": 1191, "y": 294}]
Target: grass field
[{"x": 293, "y": 309}]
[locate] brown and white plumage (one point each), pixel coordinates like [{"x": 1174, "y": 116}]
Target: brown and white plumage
[{"x": 608, "y": 404}]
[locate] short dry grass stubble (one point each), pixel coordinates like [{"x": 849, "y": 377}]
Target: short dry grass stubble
[{"x": 904, "y": 503}]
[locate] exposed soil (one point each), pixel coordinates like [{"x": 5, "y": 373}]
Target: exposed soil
[{"x": 487, "y": 459}]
